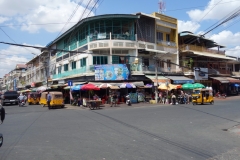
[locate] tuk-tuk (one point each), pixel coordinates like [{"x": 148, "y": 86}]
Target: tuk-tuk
[
  {"x": 57, "y": 99},
  {"x": 33, "y": 98},
  {"x": 202, "y": 96}
]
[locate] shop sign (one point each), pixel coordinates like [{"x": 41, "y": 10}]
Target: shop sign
[
  {"x": 201, "y": 73},
  {"x": 111, "y": 72}
]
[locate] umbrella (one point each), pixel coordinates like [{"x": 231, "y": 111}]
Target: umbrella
[
  {"x": 27, "y": 90},
  {"x": 76, "y": 88},
  {"x": 187, "y": 86},
  {"x": 105, "y": 85},
  {"x": 41, "y": 89},
  {"x": 148, "y": 86},
  {"x": 89, "y": 87},
  {"x": 127, "y": 85},
  {"x": 168, "y": 87},
  {"x": 198, "y": 85}
]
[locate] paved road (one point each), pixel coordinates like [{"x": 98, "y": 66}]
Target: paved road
[{"x": 179, "y": 132}]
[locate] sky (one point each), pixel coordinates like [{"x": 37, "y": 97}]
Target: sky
[{"x": 38, "y": 22}]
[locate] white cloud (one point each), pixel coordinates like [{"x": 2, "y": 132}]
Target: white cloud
[
  {"x": 234, "y": 51},
  {"x": 227, "y": 38},
  {"x": 213, "y": 11},
  {"x": 42, "y": 12},
  {"x": 15, "y": 55},
  {"x": 3, "y": 19},
  {"x": 187, "y": 26}
]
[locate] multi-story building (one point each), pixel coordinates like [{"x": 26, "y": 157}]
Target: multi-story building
[
  {"x": 37, "y": 73},
  {"x": 206, "y": 62},
  {"x": 127, "y": 44},
  {"x": 1, "y": 84}
]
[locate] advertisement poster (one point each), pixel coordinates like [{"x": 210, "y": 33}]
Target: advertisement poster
[
  {"x": 111, "y": 72},
  {"x": 201, "y": 73}
]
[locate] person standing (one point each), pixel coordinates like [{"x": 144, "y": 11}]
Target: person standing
[{"x": 49, "y": 98}]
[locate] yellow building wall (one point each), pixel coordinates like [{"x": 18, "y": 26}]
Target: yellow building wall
[{"x": 170, "y": 20}]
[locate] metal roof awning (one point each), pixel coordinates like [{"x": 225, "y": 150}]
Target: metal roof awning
[
  {"x": 78, "y": 83},
  {"x": 233, "y": 80},
  {"x": 180, "y": 79},
  {"x": 212, "y": 55},
  {"x": 156, "y": 51},
  {"x": 139, "y": 83},
  {"x": 221, "y": 79},
  {"x": 159, "y": 80}
]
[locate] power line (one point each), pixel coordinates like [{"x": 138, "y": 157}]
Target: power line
[{"x": 194, "y": 7}]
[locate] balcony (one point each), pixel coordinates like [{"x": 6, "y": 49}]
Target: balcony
[
  {"x": 104, "y": 36},
  {"x": 151, "y": 69},
  {"x": 167, "y": 43},
  {"x": 70, "y": 73},
  {"x": 200, "y": 49}
]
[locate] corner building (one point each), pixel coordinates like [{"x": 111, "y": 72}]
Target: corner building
[{"x": 123, "y": 40}]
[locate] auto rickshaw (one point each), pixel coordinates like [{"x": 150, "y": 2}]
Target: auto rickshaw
[
  {"x": 57, "y": 99},
  {"x": 33, "y": 98},
  {"x": 202, "y": 96}
]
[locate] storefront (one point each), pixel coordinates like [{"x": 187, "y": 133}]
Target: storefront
[{"x": 180, "y": 79}]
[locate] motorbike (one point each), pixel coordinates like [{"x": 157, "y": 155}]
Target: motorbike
[
  {"x": 21, "y": 103},
  {"x": 218, "y": 95},
  {"x": 2, "y": 116},
  {"x": 128, "y": 101}
]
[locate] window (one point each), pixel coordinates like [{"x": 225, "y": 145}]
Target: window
[
  {"x": 59, "y": 69},
  {"x": 168, "y": 37},
  {"x": 83, "y": 62},
  {"x": 100, "y": 60},
  {"x": 120, "y": 60},
  {"x": 161, "y": 64},
  {"x": 169, "y": 63},
  {"x": 65, "y": 67},
  {"x": 159, "y": 36},
  {"x": 146, "y": 62},
  {"x": 74, "y": 65}
]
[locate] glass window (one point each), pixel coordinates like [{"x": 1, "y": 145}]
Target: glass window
[
  {"x": 74, "y": 64},
  {"x": 146, "y": 61},
  {"x": 65, "y": 67},
  {"x": 59, "y": 69},
  {"x": 100, "y": 60},
  {"x": 83, "y": 62},
  {"x": 168, "y": 37},
  {"x": 159, "y": 36},
  {"x": 169, "y": 63},
  {"x": 120, "y": 60}
]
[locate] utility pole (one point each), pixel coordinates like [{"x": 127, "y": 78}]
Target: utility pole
[{"x": 156, "y": 74}]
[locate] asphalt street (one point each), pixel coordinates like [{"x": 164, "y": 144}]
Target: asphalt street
[{"x": 143, "y": 132}]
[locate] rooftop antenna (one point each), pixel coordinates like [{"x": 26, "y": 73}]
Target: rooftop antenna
[{"x": 162, "y": 8}]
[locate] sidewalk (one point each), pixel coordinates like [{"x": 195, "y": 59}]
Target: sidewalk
[{"x": 121, "y": 105}]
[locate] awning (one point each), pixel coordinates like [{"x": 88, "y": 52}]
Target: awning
[
  {"x": 140, "y": 83},
  {"x": 221, "y": 79},
  {"x": 156, "y": 51},
  {"x": 114, "y": 87},
  {"x": 180, "y": 79},
  {"x": 161, "y": 79},
  {"x": 233, "y": 80},
  {"x": 212, "y": 55},
  {"x": 77, "y": 83}
]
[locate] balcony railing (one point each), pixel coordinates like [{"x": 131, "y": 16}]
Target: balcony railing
[
  {"x": 70, "y": 73},
  {"x": 152, "y": 68},
  {"x": 200, "y": 49},
  {"x": 167, "y": 43},
  {"x": 103, "y": 36}
]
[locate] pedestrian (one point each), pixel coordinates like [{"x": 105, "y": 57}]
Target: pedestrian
[{"x": 49, "y": 98}]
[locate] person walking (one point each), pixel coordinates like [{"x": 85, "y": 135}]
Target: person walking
[{"x": 49, "y": 98}]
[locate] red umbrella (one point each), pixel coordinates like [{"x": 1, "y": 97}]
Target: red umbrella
[{"x": 89, "y": 87}]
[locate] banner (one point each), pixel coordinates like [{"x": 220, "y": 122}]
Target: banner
[
  {"x": 201, "y": 73},
  {"x": 111, "y": 72}
]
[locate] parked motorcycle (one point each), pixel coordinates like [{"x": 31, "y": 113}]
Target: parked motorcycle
[
  {"x": 218, "y": 95},
  {"x": 128, "y": 101},
  {"x": 2, "y": 116}
]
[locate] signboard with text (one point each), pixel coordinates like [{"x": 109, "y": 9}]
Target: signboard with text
[
  {"x": 201, "y": 73},
  {"x": 111, "y": 72}
]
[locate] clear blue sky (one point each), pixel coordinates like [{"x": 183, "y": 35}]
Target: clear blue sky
[{"x": 37, "y": 22}]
